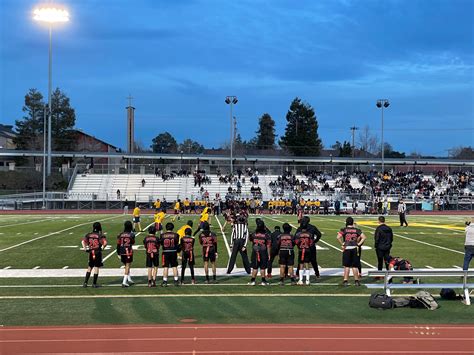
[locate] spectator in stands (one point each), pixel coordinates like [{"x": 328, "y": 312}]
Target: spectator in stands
[
  {"x": 143, "y": 182},
  {"x": 468, "y": 244},
  {"x": 118, "y": 194}
]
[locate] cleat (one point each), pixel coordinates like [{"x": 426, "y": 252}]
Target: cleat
[
  {"x": 281, "y": 283},
  {"x": 300, "y": 282},
  {"x": 95, "y": 286},
  {"x": 264, "y": 283},
  {"x": 293, "y": 283},
  {"x": 150, "y": 284},
  {"x": 84, "y": 284},
  {"x": 153, "y": 283},
  {"x": 345, "y": 283},
  {"x": 308, "y": 283},
  {"x": 207, "y": 282},
  {"x": 164, "y": 284},
  {"x": 357, "y": 282},
  {"x": 251, "y": 283},
  {"x": 193, "y": 282},
  {"x": 125, "y": 285},
  {"x": 176, "y": 283},
  {"x": 130, "y": 282},
  {"x": 215, "y": 282}
]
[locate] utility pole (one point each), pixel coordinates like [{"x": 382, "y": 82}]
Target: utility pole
[{"x": 353, "y": 129}]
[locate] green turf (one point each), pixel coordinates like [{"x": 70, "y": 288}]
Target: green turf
[{"x": 299, "y": 305}]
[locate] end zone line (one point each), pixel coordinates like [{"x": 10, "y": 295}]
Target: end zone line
[
  {"x": 223, "y": 235},
  {"x": 53, "y": 233}
]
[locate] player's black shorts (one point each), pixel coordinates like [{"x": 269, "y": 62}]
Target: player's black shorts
[
  {"x": 136, "y": 219},
  {"x": 169, "y": 259},
  {"x": 209, "y": 254},
  {"x": 126, "y": 259},
  {"x": 176, "y": 211},
  {"x": 287, "y": 257},
  {"x": 158, "y": 226},
  {"x": 152, "y": 261},
  {"x": 304, "y": 256},
  {"x": 95, "y": 259},
  {"x": 259, "y": 260},
  {"x": 188, "y": 256},
  {"x": 350, "y": 258}
]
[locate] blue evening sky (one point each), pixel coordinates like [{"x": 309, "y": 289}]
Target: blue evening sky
[{"x": 180, "y": 58}]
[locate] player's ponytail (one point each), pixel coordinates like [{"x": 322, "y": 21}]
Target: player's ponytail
[{"x": 97, "y": 227}]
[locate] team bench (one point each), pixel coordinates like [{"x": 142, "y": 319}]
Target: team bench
[{"x": 417, "y": 274}]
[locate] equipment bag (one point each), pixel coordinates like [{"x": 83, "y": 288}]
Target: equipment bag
[
  {"x": 427, "y": 299},
  {"x": 381, "y": 301},
  {"x": 399, "y": 302},
  {"x": 449, "y": 294}
]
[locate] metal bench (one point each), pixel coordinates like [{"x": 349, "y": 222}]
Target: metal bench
[{"x": 389, "y": 274}]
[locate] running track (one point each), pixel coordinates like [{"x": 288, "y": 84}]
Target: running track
[{"x": 241, "y": 339}]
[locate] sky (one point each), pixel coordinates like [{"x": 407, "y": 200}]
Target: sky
[{"x": 179, "y": 59}]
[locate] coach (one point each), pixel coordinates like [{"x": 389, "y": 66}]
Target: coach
[
  {"x": 240, "y": 236},
  {"x": 468, "y": 244},
  {"x": 402, "y": 210},
  {"x": 383, "y": 243}
]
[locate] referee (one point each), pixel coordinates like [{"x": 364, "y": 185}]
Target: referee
[
  {"x": 240, "y": 236},
  {"x": 402, "y": 209}
]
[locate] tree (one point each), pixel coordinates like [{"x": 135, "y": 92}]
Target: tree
[
  {"x": 301, "y": 133},
  {"x": 266, "y": 133},
  {"x": 368, "y": 142},
  {"x": 462, "y": 153},
  {"x": 390, "y": 153},
  {"x": 63, "y": 119},
  {"x": 30, "y": 128},
  {"x": 191, "y": 147},
  {"x": 164, "y": 143},
  {"x": 344, "y": 149}
]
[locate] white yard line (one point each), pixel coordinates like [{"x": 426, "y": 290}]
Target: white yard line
[
  {"x": 7, "y": 267},
  {"x": 326, "y": 243},
  {"x": 54, "y": 233},
  {"x": 20, "y": 224},
  {"x": 224, "y": 236},
  {"x": 429, "y": 267},
  {"x": 65, "y": 267},
  {"x": 36, "y": 267}
]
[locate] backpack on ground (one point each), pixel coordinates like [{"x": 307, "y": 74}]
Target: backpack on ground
[
  {"x": 381, "y": 301},
  {"x": 449, "y": 294},
  {"x": 427, "y": 299}
]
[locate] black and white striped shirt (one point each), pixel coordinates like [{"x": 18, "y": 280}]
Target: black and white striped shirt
[
  {"x": 402, "y": 207},
  {"x": 240, "y": 231}
]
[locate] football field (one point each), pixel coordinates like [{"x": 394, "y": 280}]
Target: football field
[{"x": 42, "y": 268}]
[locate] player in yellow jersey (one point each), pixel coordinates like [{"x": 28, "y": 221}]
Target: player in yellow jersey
[
  {"x": 177, "y": 210},
  {"x": 205, "y": 218},
  {"x": 182, "y": 231},
  {"x": 157, "y": 204},
  {"x": 136, "y": 219},
  {"x": 159, "y": 218}
]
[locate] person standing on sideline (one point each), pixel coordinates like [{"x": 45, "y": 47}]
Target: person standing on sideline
[
  {"x": 93, "y": 243},
  {"x": 240, "y": 237},
  {"x": 260, "y": 252},
  {"x": 152, "y": 246},
  {"x": 468, "y": 244},
  {"x": 350, "y": 238},
  {"x": 208, "y": 240},
  {"x": 402, "y": 209},
  {"x": 169, "y": 241},
  {"x": 383, "y": 237},
  {"x": 125, "y": 241},
  {"x": 316, "y": 236}
]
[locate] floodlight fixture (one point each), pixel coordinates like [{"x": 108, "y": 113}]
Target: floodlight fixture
[{"x": 50, "y": 15}]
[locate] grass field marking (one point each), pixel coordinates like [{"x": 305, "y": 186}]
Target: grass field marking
[
  {"x": 54, "y": 233},
  {"x": 65, "y": 267},
  {"x": 7, "y": 267},
  {"x": 411, "y": 239},
  {"x": 429, "y": 267},
  {"x": 224, "y": 236},
  {"x": 329, "y": 245},
  {"x": 191, "y": 295},
  {"x": 115, "y": 250},
  {"x": 36, "y": 267},
  {"x": 30, "y": 222}
]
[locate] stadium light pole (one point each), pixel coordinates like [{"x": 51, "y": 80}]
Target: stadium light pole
[
  {"x": 383, "y": 103},
  {"x": 50, "y": 15},
  {"x": 231, "y": 100}
]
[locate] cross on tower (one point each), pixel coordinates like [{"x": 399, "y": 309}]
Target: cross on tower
[{"x": 129, "y": 98}]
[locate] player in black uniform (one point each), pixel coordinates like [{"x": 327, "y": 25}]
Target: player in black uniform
[
  {"x": 285, "y": 244},
  {"x": 316, "y": 236},
  {"x": 125, "y": 241},
  {"x": 273, "y": 250},
  {"x": 304, "y": 240},
  {"x": 187, "y": 248},
  {"x": 93, "y": 243},
  {"x": 169, "y": 241},
  {"x": 260, "y": 251},
  {"x": 152, "y": 247},
  {"x": 208, "y": 240},
  {"x": 351, "y": 238}
]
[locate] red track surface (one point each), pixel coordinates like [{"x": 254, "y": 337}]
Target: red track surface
[{"x": 241, "y": 339}]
